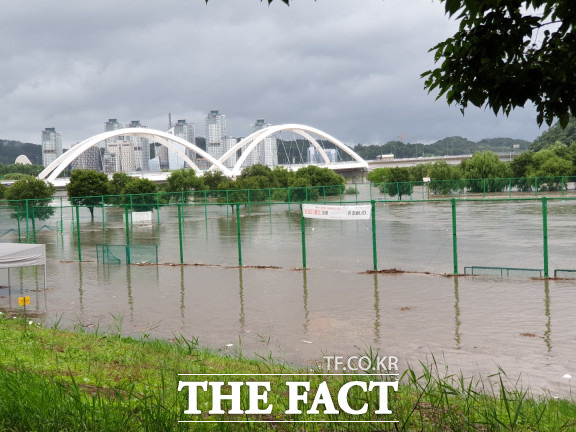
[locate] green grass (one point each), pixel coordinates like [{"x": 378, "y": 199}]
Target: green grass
[{"x": 52, "y": 379}]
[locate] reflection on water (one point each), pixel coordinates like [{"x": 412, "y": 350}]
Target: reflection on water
[{"x": 333, "y": 308}]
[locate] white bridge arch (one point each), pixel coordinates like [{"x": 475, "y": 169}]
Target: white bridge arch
[
  {"x": 52, "y": 171},
  {"x": 251, "y": 142},
  {"x": 247, "y": 145}
]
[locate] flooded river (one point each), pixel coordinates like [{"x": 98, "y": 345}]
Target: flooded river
[{"x": 271, "y": 306}]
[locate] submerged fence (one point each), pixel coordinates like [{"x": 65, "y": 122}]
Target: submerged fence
[{"x": 518, "y": 236}]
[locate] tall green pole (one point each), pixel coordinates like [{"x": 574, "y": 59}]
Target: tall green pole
[
  {"x": 78, "y": 233},
  {"x": 454, "y": 237},
  {"x": 238, "y": 235},
  {"x": 249, "y": 205},
  {"x": 131, "y": 211},
  {"x": 103, "y": 216},
  {"x": 61, "y": 218},
  {"x": 374, "y": 249},
  {"x": 303, "y": 227},
  {"x": 545, "y": 234},
  {"x": 158, "y": 208},
  {"x": 18, "y": 219},
  {"x": 205, "y": 205},
  {"x": 27, "y": 226},
  {"x": 33, "y": 225},
  {"x": 128, "y": 260},
  {"x": 180, "y": 233}
]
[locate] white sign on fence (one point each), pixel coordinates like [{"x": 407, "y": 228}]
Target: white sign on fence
[{"x": 336, "y": 212}]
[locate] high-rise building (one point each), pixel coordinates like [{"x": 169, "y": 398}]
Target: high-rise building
[
  {"x": 122, "y": 157},
  {"x": 141, "y": 148},
  {"x": 90, "y": 159},
  {"x": 186, "y": 131},
  {"x": 109, "y": 126},
  {"x": 215, "y": 131},
  {"x": 51, "y": 145},
  {"x": 228, "y": 143},
  {"x": 266, "y": 153}
]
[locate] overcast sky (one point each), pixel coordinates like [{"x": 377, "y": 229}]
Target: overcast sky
[{"x": 348, "y": 67}]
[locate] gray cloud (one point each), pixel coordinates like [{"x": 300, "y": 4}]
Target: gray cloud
[{"x": 349, "y": 68}]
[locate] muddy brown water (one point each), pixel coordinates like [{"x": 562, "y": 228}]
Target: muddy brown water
[{"x": 270, "y": 307}]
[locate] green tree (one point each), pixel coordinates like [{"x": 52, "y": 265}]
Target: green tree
[
  {"x": 182, "y": 181},
  {"x": 16, "y": 176},
  {"x": 213, "y": 179},
  {"x": 444, "y": 178},
  {"x": 34, "y": 194},
  {"x": 485, "y": 172},
  {"x": 549, "y": 165},
  {"x": 140, "y": 194},
  {"x": 506, "y": 54},
  {"x": 87, "y": 187},
  {"x": 119, "y": 182},
  {"x": 519, "y": 171},
  {"x": 393, "y": 181}
]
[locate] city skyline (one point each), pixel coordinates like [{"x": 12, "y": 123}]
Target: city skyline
[{"x": 129, "y": 153}]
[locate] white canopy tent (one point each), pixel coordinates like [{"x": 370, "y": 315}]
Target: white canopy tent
[{"x": 22, "y": 255}]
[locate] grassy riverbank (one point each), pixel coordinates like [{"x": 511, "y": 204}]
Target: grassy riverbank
[{"x": 52, "y": 379}]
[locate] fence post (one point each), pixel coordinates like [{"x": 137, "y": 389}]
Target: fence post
[
  {"x": 238, "y": 235},
  {"x": 157, "y": 208},
  {"x": 180, "y": 233},
  {"x": 484, "y": 186},
  {"x": 61, "y": 219},
  {"x": 249, "y": 206},
  {"x": 454, "y": 237},
  {"x": 78, "y": 233},
  {"x": 545, "y": 234},
  {"x": 562, "y": 185},
  {"x": 205, "y": 205},
  {"x": 103, "y": 214},
  {"x": 33, "y": 226},
  {"x": 374, "y": 249},
  {"x": 18, "y": 219},
  {"x": 303, "y": 229},
  {"x": 270, "y": 203},
  {"x": 128, "y": 261},
  {"x": 27, "y": 223}
]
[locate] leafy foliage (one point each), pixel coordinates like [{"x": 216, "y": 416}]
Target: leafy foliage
[
  {"x": 31, "y": 170},
  {"x": 485, "y": 165},
  {"x": 34, "y": 194},
  {"x": 556, "y": 133},
  {"x": 508, "y": 53},
  {"x": 447, "y": 146},
  {"x": 400, "y": 177},
  {"x": 140, "y": 194},
  {"x": 183, "y": 180},
  {"x": 86, "y": 187}
]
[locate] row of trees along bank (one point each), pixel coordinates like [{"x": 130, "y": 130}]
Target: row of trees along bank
[
  {"x": 87, "y": 187},
  {"x": 555, "y": 161}
]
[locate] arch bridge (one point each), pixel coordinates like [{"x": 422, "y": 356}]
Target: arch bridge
[{"x": 246, "y": 146}]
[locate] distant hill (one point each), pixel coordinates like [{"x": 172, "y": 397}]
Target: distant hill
[
  {"x": 10, "y": 150},
  {"x": 445, "y": 147}
]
